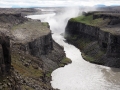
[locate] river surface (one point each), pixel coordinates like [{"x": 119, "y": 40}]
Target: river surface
[{"x": 80, "y": 74}]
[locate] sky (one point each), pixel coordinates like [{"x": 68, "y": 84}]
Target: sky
[{"x": 55, "y": 3}]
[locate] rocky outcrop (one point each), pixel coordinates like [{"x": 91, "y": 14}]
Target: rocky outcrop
[
  {"x": 46, "y": 49},
  {"x": 6, "y": 21},
  {"x": 100, "y": 45},
  {"x": 39, "y": 46},
  {"x": 11, "y": 19},
  {"x": 28, "y": 54}
]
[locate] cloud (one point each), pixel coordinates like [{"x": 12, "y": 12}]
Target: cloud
[{"x": 50, "y": 3}]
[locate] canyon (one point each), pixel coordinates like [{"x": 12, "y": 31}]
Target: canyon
[
  {"x": 80, "y": 74},
  {"x": 29, "y": 52}
]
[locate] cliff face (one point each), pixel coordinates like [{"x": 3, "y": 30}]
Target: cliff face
[
  {"x": 6, "y": 22},
  {"x": 98, "y": 45},
  {"x": 46, "y": 49},
  {"x": 28, "y": 54},
  {"x": 76, "y": 28},
  {"x": 40, "y": 46}
]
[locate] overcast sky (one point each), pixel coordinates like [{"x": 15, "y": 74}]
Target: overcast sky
[{"x": 50, "y": 3}]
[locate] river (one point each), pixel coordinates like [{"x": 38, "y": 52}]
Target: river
[{"x": 80, "y": 74}]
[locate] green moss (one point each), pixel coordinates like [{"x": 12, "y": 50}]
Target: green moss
[
  {"x": 99, "y": 22},
  {"x": 83, "y": 19},
  {"x": 65, "y": 61},
  {"x": 61, "y": 65},
  {"x": 93, "y": 58},
  {"x": 88, "y": 58},
  {"x": 90, "y": 21},
  {"x": 26, "y": 71},
  {"x": 48, "y": 74},
  {"x": 45, "y": 23}
]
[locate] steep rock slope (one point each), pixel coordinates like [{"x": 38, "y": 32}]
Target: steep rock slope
[
  {"x": 28, "y": 54},
  {"x": 97, "y": 35}
]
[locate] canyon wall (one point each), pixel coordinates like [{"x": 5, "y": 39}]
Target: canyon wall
[
  {"x": 45, "y": 48},
  {"x": 105, "y": 42},
  {"x": 28, "y": 54},
  {"x": 39, "y": 46}
]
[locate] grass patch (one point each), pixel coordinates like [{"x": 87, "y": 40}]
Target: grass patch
[
  {"x": 23, "y": 70},
  {"x": 48, "y": 73},
  {"x": 90, "y": 21},
  {"x": 88, "y": 58},
  {"x": 64, "y": 61},
  {"x": 44, "y": 23},
  {"x": 83, "y": 19},
  {"x": 95, "y": 58},
  {"x": 98, "y": 55}
]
